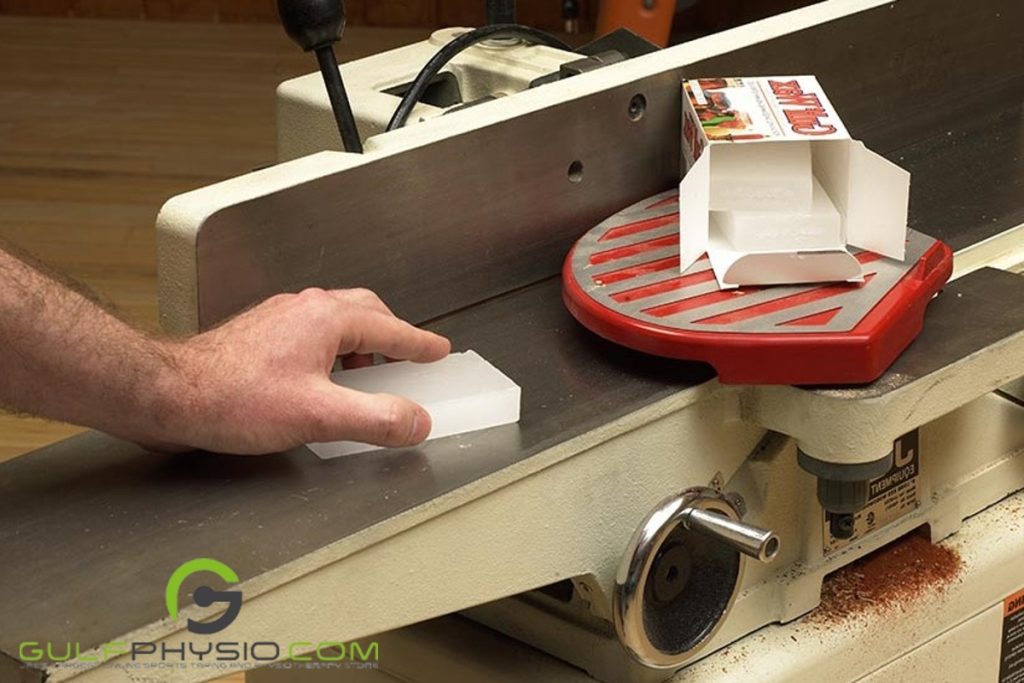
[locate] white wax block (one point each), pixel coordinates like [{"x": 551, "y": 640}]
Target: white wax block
[
  {"x": 761, "y": 176},
  {"x": 819, "y": 228},
  {"x": 462, "y": 393}
]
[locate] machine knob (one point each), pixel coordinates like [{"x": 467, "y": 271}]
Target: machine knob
[
  {"x": 681, "y": 573},
  {"x": 312, "y": 23},
  {"x": 760, "y": 544},
  {"x": 316, "y": 25}
]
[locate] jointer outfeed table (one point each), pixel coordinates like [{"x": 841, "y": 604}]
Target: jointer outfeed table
[{"x": 461, "y": 223}]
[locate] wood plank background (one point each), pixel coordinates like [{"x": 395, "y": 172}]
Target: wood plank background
[
  {"x": 103, "y": 121},
  {"x": 695, "y": 19},
  {"x": 544, "y": 14}
]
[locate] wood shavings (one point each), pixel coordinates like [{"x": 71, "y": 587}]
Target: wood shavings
[{"x": 887, "y": 579}]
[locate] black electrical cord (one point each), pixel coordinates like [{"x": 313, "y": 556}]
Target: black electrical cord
[
  {"x": 445, "y": 54},
  {"x": 339, "y": 99}
]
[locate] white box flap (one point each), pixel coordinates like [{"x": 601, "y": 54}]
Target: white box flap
[
  {"x": 831, "y": 164},
  {"x": 876, "y": 214},
  {"x": 694, "y": 216},
  {"x": 736, "y": 268}
]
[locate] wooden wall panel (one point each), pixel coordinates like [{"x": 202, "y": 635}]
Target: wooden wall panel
[
  {"x": 108, "y": 9},
  {"x": 100, "y": 125},
  {"x": 401, "y": 13},
  {"x": 43, "y": 8},
  {"x": 168, "y": 10},
  {"x": 460, "y": 13},
  {"x": 704, "y": 17},
  {"x": 355, "y": 12},
  {"x": 181, "y": 10},
  {"x": 260, "y": 11},
  {"x": 545, "y": 14}
]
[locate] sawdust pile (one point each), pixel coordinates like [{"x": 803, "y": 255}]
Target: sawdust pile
[{"x": 887, "y": 579}]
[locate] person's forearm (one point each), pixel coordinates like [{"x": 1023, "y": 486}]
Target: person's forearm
[
  {"x": 66, "y": 358},
  {"x": 258, "y": 383}
]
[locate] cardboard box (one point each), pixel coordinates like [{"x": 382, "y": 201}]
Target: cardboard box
[{"x": 775, "y": 190}]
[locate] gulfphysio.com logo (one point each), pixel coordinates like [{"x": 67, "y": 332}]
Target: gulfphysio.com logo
[
  {"x": 204, "y": 596},
  {"x": 224, "y": 654}
]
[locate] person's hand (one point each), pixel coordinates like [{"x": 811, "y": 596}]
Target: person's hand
[{"x": 260, "y": 382}]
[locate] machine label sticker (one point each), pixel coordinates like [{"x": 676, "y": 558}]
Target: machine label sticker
[
  {"x": 891, "y": 496},
  {"x": 1011, "y": 660}
]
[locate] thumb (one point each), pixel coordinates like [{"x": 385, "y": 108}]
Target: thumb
[{"x": 380, "y": 419}]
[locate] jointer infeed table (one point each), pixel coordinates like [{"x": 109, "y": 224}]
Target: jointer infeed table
[{"x": 461, "y": 223}]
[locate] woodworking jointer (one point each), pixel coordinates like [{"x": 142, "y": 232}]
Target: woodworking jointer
[{"x": 643, "y": 521}]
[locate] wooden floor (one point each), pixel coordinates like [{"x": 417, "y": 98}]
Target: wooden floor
[{"x": 102, "y": 121}]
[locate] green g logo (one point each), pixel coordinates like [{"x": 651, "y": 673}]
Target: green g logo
[{"x": 204, "y": 595}]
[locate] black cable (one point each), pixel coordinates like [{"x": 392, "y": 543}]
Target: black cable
[
  {"x": 445, "y": 54},
  {"x": 339, "y": 99}
]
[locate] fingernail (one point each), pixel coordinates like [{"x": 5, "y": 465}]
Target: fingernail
[{"x": 420, "y": 426}]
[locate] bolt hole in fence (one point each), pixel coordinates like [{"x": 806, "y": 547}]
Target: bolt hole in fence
[
  {"x": 575, "y": 171},
  {"x": 637, "y": 107}
]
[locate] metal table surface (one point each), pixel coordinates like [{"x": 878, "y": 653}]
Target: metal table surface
[{"x": 90, "y": 524}]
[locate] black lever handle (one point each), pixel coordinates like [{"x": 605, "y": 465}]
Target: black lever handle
[{"x": 315, "y": 26}]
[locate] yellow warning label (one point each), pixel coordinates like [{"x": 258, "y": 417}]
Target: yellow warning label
[
  {"x": 1011, "y": 661},
  {"x": 1014, "y": 603}
]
